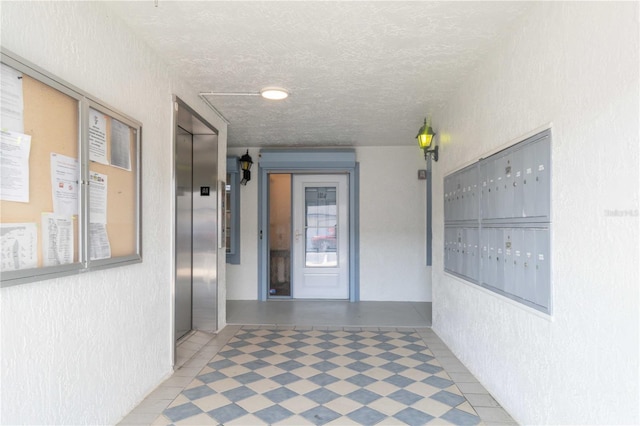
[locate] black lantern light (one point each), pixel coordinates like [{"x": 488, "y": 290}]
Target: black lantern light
[
  {"x": 425, "y": 137},
  {"x": 245, "y": 165}
]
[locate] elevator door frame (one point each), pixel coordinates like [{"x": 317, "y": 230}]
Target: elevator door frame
[
  {"x": 183, "y": 235},
  {"x": 204, "y": 306}
]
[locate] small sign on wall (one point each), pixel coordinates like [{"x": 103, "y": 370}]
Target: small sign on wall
[
  {"x": 422, "y": 174},
  {"x": 204, "y": 191}
]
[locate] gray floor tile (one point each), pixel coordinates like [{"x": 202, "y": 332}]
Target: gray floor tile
[
  {"x": 180, "y": 381},
  {"x": 165, "y": 392},
  {"x": 138, "y": 418},
  {"x": 399, "y": 380},
  {"x": 181, "y": 412},
  {"x": 227, "y": 413},
  {"x": 363, "y": 396},
  {"x": 187, "y": 371},
  {"x": 320, "y": 415},
  {"x": 285, "y": 378},
  {"x": 459, "y": 417},
  {"x": 448, "y": 398},
  {"x": 273, "y": 414},
  {"x": 493, "y": 414},
  {"x": 438, "y": 382},
  {"x": 366, "y": 416},
  {"x": 321, "y": 396},
  {"x": 411, "y": 416},
  {"x": 472, "y": 388},
  {"x": 198, "y": 392},
  {"x": 280, "y": 394},
  {"x": 239, "y": 393},
  {"x": 404, "y": 396},
  {"x": 481, "y": 400},
  {"x": 255, "y": 355},
  {"x": 323, "y": 379},
  {"x": 361, "y": 380},
  {"x": 330, "y": 313},
  {"x": 462, "y": 377},
  {"x": 153, "y": 406}
]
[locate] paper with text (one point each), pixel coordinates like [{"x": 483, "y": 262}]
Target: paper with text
[
  {"x": 120, "y": 145},
  {"x": 99, "y": 247},
  {"x": 97, "y": 197},
  {"x": 19, "y": 245},
  {"x": 57, "y": 239},
  {"x": 14, "y": 162},
  {"x": 11, "y": 100},
  {"x": 64, "y": 184},
  {"x": 97, "y": 136}
]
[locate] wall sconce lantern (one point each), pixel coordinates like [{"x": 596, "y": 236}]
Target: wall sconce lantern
[
  {"x": 425, "y": 137},
  {"x": 245, "y": 164}
]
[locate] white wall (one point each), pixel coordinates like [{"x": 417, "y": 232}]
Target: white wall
[
  {"x": 85, "y": 349},
  {"x": 393, "y": 225},
  {"x": 574, "y": 65},
  {"x": 392, "y": 228},
  {"x": 242, "y": 279}
]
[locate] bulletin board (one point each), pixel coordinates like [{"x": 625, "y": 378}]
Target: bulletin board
[
  {"x": 120, "y": 173},
  {"x": 55, "y": 133},
  {"x": 70, "y": 189}
]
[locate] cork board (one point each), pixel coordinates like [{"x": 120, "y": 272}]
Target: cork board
[
  {"x": 51, "y": 118},
  {"x": 121, "y": 197}
]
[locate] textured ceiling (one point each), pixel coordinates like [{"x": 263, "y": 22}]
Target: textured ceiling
[{"x": 359, "y": 73}]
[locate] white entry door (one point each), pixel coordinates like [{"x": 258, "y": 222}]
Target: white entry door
[{"x": 320, "y": 237}]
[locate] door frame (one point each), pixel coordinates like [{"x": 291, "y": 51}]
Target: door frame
[
  {"x": 316, "y": 162},
  {"x": 188, "y": 119}
]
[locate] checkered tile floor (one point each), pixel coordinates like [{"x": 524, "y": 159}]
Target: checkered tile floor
[{"x": 319, "y": 377}]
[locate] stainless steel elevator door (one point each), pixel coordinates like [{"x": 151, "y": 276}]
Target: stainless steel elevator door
[{"x": 184, "y": 231}]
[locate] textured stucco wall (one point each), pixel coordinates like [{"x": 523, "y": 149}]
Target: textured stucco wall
[
  {"x": 85, "y": 349},
  {"x": 392, "y": 225},
  {"x": 574, "y": 65},
  {"x": 392, "y": 228}
]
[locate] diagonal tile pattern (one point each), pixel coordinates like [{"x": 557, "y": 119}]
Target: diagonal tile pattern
[{"x": 273, "y": 376}]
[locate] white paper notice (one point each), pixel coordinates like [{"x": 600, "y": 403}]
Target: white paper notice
[
  {"x": 120, "y": 145},
  {"x": 64, "y": 184},
  {"x": 14, "y": 162},
  {"x": 57, "y": 239},
  {"x": 11, "y": 100},
  {"x": 19, "y": 242},
  {"x": 97, "y": 197},
  {"x": 99, "y": 247},
  {"x": 97, "y": 137}
]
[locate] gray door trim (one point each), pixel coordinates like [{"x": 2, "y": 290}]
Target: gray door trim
[{"x": 317, "y": 162}]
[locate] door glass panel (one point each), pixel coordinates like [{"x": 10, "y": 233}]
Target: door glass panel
[
  {"x": 320, "y": 226},
  {"x": 279, "y": 235}
]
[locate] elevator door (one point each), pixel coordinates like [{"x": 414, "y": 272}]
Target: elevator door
[{"x": 184, "y": 231}]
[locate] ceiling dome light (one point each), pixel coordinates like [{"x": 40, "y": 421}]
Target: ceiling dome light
[{"x": 274, "y": 93}]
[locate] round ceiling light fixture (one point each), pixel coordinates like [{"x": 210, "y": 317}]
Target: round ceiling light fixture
[{"x": 274, "y": 93}]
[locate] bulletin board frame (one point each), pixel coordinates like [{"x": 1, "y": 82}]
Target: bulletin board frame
[{"x": 122, "y": 203}]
